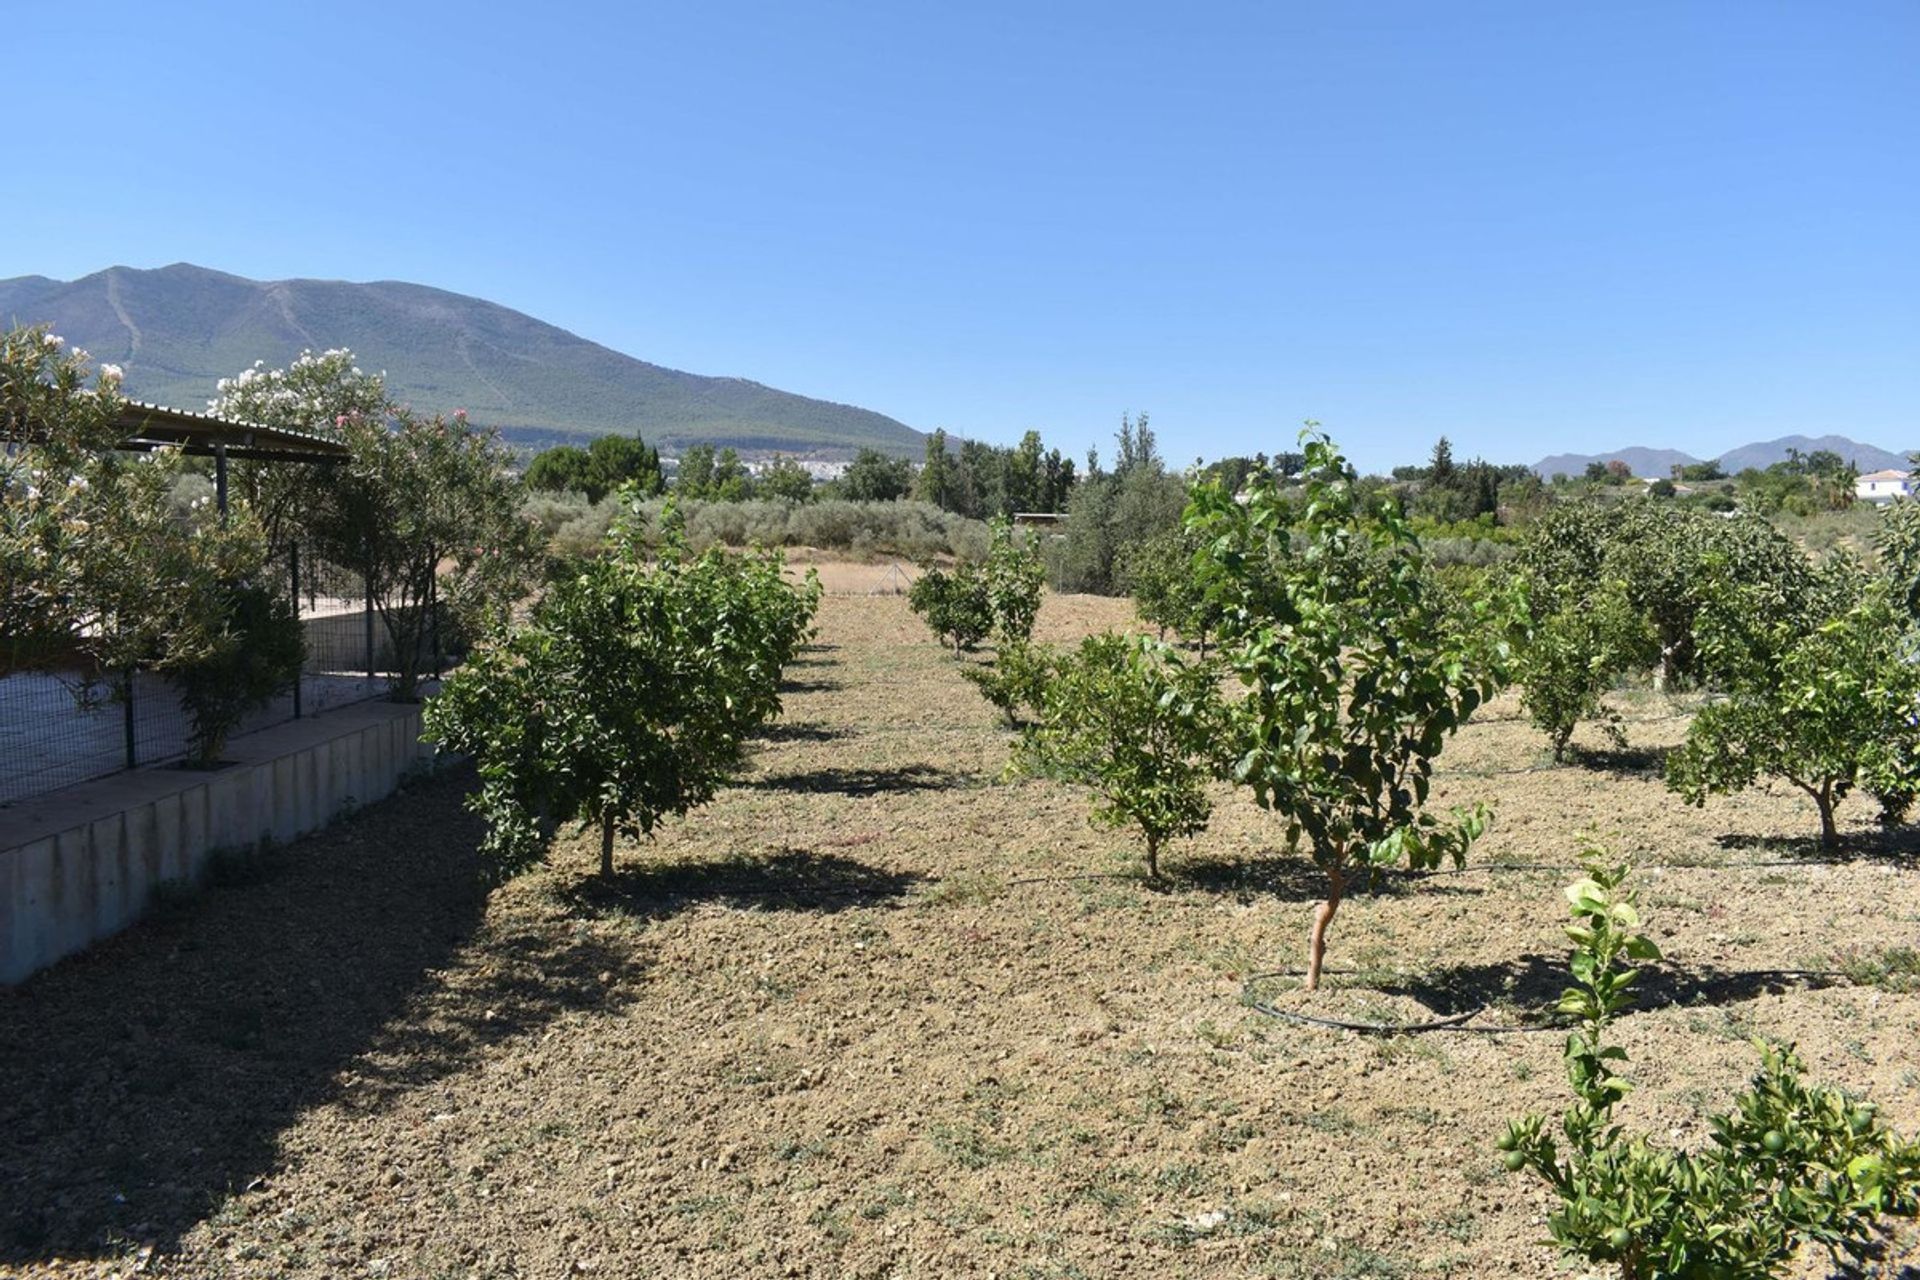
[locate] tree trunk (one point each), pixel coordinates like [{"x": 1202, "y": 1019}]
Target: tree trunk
[
  {"x": 1322, "y": 917},
  {"x": 606, "y": 847},
  {"x": 1829, "y": 834},
  {"x": 1153, "y": 857}
]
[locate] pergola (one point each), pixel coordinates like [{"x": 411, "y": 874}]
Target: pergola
[
  {"x": 201, "y": 435},
  {"x": 146, "y": 427}
]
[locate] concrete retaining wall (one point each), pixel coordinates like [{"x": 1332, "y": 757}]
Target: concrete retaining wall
[{"x": 81, "y": 864}]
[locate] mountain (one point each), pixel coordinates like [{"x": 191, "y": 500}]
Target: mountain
[
  {"x": 1864, "y": 456},
  {"x": 178, "y": 330},
  {"x": 1653, "y": 463}
]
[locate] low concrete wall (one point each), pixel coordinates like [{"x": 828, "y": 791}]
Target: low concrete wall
[{"x": 81, "y": 864}]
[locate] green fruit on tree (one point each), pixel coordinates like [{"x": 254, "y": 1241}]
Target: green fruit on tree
[
  {"x": 1507, "y": 1141},
  {"x": 1515, "y": 1162},
  {"x": 1618, "y": 1239},
  {"x": 1774, "y": 1141}
]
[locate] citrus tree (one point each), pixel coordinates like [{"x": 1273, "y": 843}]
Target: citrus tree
[
  {"x": 1012, "y": 578},
  {"x": 954, "y": 604},
  {"x": 1126, "y": 717},
  {"x": 1790, "y": 1164},
  {"x": 1826, "y": 704},
  {"x": 625, "y": 696},
  {"x": 1168, "y": 592},
  {"x": 1356, "y": 666},
  {"x": 1571, "y": 654}
]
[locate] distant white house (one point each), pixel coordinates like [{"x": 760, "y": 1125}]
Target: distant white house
[{"x": 1884, "y": 486}]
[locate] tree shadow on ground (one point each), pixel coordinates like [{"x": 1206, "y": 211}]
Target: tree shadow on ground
[
  {"x": 810, "y": 686},
  {"x": 1533, "y": 983},
  {"x": 1292, "y": 878},
  {"x": 862, "y": 782},
  {"x": 151, "y": 1077},
  {"x": 798, "y": 731},
  {"x": 1871, "y": 844},
  {"x": 790, "y": 880},
  {"x": 1623, "y": 762}
]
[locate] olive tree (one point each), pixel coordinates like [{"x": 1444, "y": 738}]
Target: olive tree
[
  {"x": 1128, "y": 718},
  {"x": 1356, "y": 666},
  {"x": 428, "y": 509}
]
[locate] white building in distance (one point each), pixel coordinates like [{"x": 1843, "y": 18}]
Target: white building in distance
[{"x": 1884, "y": 486}]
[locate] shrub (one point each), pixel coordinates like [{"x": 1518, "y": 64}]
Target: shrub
[
  {"x": 1125, "y": 716},
  {"x": 1790, "y": 1164},
  {"x": 256, "y": 655}
]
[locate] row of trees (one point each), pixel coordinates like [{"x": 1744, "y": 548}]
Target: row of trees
[
  {"x": 1810, "y": 669},
  {"x": 1356, "y": 666},
  {"x": 1357, "y": 663}
]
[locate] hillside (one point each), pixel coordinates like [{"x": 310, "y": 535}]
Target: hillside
[
  {"x": 1643, "y": 461},
  {"x": 1656, "y": 463},
  {"x": 1864, "y": 456},
  {"x": 178, "y": 330}
]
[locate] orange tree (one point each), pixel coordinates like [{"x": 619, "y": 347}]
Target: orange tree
[
  {"x": 1357, "y": 667},
  {"x": 624, "y": 697}
]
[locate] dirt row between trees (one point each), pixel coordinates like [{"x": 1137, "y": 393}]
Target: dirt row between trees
[{"x": 833, "y": 1025}]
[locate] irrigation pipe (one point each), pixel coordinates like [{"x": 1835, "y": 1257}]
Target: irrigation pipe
[{"x": 1463, "y": 1022}]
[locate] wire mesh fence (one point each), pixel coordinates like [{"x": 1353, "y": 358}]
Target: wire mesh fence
[{"x": 67, "y": 725}]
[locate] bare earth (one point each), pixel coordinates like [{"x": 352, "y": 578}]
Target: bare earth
[{"x": 859, "y": 1018}]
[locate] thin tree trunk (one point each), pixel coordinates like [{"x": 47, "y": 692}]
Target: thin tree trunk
[
  {"x": 1153, "y": 857},
  {"x": 1322, "y": 917},
  {"x": 606, "y": 847},
  {"x": 1829, "y": 833}
]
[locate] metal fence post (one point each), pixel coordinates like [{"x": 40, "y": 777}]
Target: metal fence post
[
  {"x": 293, "y": 573},
  {"x": 368, "y": 581},
  {"x": 127, "y": 701}
]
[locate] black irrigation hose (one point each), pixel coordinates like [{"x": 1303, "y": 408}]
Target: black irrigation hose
[{"x": 1462, "y": 1022}]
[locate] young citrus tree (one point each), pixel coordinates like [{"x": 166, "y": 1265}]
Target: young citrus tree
[
  {"x": 1357, "y": 668},
  {"x": 1128, "y": 718},
  {"x": 1571, "y": 655},
  {"x": 1791, "y": 1164},
  {"x": 955, "y": 606},
  {"x": 1827, "y": 705},
  {"x": 1015, "y": 681},
  {"x": 1167, "y": 591},
  {"x": 1013, "y": 577},
  {"x": 625, "y": 696}
]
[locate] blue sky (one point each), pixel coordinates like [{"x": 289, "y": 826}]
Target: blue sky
[{"x": 1531, "y": 227}]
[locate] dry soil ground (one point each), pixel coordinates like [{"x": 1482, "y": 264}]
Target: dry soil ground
[{"x": 860, "y": 1018}]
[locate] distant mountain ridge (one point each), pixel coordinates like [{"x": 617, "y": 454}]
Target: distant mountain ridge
[
  {"x": 178, "y": 330},
  {"x": 1654, "y": 464}
]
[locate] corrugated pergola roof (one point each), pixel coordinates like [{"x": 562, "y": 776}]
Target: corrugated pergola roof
[{"x": 154, "y": 426}]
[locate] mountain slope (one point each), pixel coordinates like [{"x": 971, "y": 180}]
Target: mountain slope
[
  {"x": 178, "y": 330},
  {"x": 1864, "y": 456},
  {"x": 1653, "y": 464},
  {"x": 1643, "y": 462}
]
